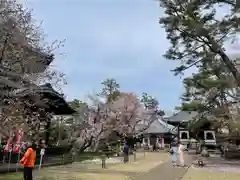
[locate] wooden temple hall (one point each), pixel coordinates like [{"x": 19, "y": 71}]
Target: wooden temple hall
[
  {"x": 163, "y": 131},
  {"x": 205, "y": 133},
  {"x": 158, "y": 133},
  {"x": 41, "y": 99}
]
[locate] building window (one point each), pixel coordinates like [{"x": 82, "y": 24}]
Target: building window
[
  {"x": 145, "y": 140},
  {"x": 209, "y": 136},
  {"x": 184, "y": 135}
]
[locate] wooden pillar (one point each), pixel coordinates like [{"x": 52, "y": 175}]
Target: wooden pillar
[
  {"x": 162, "y": 143},
  {"x": 178, "y": 133},
  {"x": 157, "y": 142},
  {"x": 148, "y": 140}
]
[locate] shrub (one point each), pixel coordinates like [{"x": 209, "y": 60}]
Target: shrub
[{"x": 57, "y": 150}]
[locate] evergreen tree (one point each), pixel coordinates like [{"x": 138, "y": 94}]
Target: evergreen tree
[
  {"x": 196, "y": 33},
  {"x": 151, "y": 103},
  {"x": 197, "y": 36},
  {"x": 110, "y": 90}
]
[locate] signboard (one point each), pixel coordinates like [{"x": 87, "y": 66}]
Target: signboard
[{"x": 42, "y": 152}]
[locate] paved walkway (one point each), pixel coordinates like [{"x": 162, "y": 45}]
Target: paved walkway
[{"x": 166, "y": 171}]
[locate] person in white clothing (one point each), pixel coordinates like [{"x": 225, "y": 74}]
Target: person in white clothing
[{"x": 181, "y": 154}]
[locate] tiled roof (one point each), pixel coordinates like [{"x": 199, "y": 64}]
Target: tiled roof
[
  {"x": 159, "y": 126},
  {"x": 182, "y": 116}
]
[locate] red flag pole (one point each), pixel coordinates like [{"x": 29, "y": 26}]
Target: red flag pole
[
  {"x": 9, "y": 143},
  {"x": 18, "y": 143}
]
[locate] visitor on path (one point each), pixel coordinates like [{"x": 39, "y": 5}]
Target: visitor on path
[
  {"x": 125, "y": 153},
  {"x": 155, "y": 147},
  {"x": 28, "y": 162},
  {"x": 173, "y": 152},
  {"x": 181, "y": 154}
]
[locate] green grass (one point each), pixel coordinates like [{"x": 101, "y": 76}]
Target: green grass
[
  {"x": 19, "y": 176},
  {"x": 91, "y": 155},
  {"x": 80, "y": 157},
  {"x": 11, "y": 176}
]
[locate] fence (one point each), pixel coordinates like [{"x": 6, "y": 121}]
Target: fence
[{"x": 54, "y": 156}]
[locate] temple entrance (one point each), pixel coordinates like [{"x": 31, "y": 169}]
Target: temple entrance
[{"x": 153, "y": 139}]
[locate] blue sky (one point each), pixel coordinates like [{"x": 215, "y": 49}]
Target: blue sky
[{"x": 118, "y": 39}]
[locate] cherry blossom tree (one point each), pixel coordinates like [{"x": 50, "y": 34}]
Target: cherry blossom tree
[
  {"x": 128, "y": 112},
  {"x": 120, "y": 117},
  {"x": 24, "y": 57},
  {"x": 95, "y": 127}
]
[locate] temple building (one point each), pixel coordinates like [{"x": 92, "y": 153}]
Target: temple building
[
  {"x": 181, "y": 120},
  {"x": 18, "y": 82},
  {"x": 158, "y": 132}
]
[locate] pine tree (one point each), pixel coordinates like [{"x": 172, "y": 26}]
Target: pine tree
[
  {"x": 110, "y": 90},
  {"x": 196, "y": 33},
  {"x": 197, "y": 36}
]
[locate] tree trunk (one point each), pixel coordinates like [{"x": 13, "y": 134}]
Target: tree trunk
[
  {"x": 218, "y": 50},
  {"x": 96, "y": 145},
  {"x": 47, "y": 131},
  {"x": 59, "y": 132},
  {"x": 86, "y": 145},
  {"x": 230, "y": 66}
]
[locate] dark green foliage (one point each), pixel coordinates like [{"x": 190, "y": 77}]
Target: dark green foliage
[
  {"x": 196, "y": 125},
  {"x": 197, "y": 31},
  {"x": 110, "y": 89},
  {"x": 151, "y": 103},
  {"x": 57, "y": 150},
  {"x": 197, "y": 34},
  {"x": 76, "y": 104},
  {"x": 82, "y": 110}
]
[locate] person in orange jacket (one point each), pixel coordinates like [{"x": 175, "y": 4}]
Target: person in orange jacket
[{"x": 28, "y": 162}]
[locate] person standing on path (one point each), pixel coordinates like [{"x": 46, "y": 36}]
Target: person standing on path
[
  {"x": 181, "y": 154},
  {"x": 125, "y": 153},
  {"x": 174, "y": 152},
  {"x": 28, "y": 162}
]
